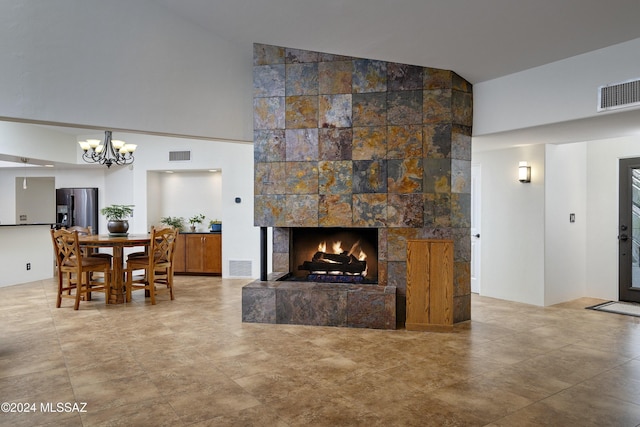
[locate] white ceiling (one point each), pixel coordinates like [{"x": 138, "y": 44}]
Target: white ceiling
[{"x": 478, "y": 39}]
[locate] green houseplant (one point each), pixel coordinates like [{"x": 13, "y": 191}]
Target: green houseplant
[
  {"x": 176, "y": 222},
  {"x": 196, "y": 219},
  {"x": 215, "y": 225},
  {"x": 117, "y": 215}
]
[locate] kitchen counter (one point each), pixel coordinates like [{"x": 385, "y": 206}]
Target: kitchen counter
[{"x": 50, "y": 224}]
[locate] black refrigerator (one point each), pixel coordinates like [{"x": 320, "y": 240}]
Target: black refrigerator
[{"x": 77, "y": 206}]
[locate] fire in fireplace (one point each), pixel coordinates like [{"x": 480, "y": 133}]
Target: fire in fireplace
[{"x": 336, "y": 255}]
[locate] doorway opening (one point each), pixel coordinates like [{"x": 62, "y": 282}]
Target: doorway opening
[{"x": 629, "y": 230}]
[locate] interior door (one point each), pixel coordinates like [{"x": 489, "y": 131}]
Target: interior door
[
  {"x": 629, "y": 231},
  {"x": 475, "y": 229}
]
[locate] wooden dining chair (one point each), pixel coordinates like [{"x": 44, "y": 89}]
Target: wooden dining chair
[
  {"x": 75, "y": 269},
  {"x": 87, "y": 231},
  {"x": 157, "y": 265},
  {"x": 160, "y": 273}
]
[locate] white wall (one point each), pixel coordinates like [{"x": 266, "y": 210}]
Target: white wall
[
  {"x": 553, "y": 93},
  {"x": 240, "y": 239},
  {"x": 36, "y": 141},
  {"x": 512, "y": 225},
  {"x": 565, "y": 242},
  {"x": 530, "y": 251},
  {"x": 122, "y": 64},
  {"x": 128, "y": 185},
  {"x": 35, "y": 204},
  {"x": 22, "y": 244},
  {"x": 154, "y": 198},
  {"x": 187, "y": 194}
]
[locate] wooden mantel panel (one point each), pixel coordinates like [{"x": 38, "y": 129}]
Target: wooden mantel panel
[{"x": 429, "y": 285}]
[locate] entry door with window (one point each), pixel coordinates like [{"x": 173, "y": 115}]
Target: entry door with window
[{"x": 629, "y": 231}]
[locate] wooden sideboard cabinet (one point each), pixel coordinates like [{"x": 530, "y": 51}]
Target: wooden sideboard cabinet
[
  {"x": 429, "y": 285},
  {"x": 179, "y": 264},
  {"x": 198, "y": 253}
]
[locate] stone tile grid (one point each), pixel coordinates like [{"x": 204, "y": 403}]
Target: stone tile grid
[
  {"x": 301, "y": 79},
  {"x": 269, "y": 113},
  {"x": 269, "y": 145},
  {"x": 392, "y": 149},
  {"x": 303, "y": 303},
  {"x": 335, "y": 77},
  {"x": 269, "y": 80},
  {"x": 267, "y": 54}
]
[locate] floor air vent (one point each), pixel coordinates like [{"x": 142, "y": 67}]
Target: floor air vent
[
  {"x": 240, "y": 268},
  {"x": 620, "y": 95},
  {"x": 179, "y": 156}
]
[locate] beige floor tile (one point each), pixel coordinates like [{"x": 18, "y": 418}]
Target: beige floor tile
[
  {"x": 192, "y": 361},
  {"x": 255, "y": 416},
  {"x": 210, "y": 402},
  {"x": 578, "y": 405},
  {"x": 23, "y": 387},
  {"x": 150, "y": 412},
  {"x": 483, "y": 399},
  {"x": 114, "y": 393}
]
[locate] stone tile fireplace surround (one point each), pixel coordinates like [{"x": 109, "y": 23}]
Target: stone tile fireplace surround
[{"x": 350, "y": 142}]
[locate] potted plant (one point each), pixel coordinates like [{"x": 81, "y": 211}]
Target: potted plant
[
  {"x": 215, "y": 225},
  {"x": 176, "y": 222},
  {"x": 196, "y": 219},
  {"x": 117, "y": 215}
]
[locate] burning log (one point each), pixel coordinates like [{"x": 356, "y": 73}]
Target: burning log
[{"x": 341, "y": 263}]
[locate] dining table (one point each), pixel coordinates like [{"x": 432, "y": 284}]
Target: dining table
[{"x": 117, "y": 243}]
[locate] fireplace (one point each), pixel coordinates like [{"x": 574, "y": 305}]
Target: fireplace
[
  {"x": 334, "y": 255},
  {"x": 354, "y": 144}
]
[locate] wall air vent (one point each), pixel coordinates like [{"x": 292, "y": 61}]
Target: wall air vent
[
  {"x": 619, "y": 95},
  {"x": 239, "y": 268},
  {"x": 179, "y": 156}
]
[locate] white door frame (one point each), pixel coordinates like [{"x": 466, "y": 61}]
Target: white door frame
[{"x": 476, "y": 222}]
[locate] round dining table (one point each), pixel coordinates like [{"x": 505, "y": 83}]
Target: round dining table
[{"x": 118, "y": 243}]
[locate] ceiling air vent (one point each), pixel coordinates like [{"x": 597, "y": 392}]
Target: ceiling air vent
[
  {"x": 179, "y": 156},
  {"x": 619, "y": 95}
]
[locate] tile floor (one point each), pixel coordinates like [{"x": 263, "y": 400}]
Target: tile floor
[{"x": 192, "y": 361}]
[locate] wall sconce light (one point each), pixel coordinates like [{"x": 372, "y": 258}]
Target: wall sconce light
[{"x": 524, "y": 172}]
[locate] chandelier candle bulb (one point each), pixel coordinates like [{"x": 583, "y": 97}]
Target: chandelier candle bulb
[
  {"x": 117, "y": 144},
  {"x": 93, "y": 143}
]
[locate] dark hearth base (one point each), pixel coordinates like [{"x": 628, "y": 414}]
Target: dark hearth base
[
  {"x": 332, "y": 278},
  {"x": 319, "y": 304}
]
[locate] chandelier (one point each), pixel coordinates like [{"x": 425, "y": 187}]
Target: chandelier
[{"x": 108, "y": 152}]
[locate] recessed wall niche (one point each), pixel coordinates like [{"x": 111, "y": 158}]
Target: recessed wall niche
[{"x": 184, "y": 194}]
